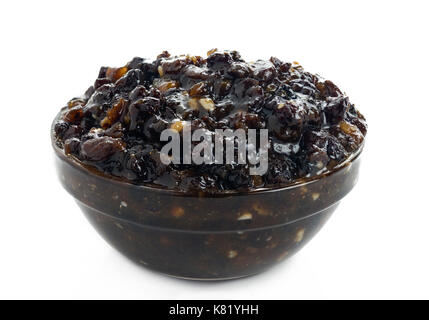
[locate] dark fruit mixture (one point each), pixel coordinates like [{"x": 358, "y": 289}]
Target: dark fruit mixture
[{"x": 116, "y": 125}]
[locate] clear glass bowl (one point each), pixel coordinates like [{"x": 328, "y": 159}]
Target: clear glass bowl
[{"x": 205, "y": 236}]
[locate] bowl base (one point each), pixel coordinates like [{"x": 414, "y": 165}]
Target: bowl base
[{"x": 206, "y": 256}]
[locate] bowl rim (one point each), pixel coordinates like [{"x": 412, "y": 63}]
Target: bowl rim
[{"x": 91, "y": 170}]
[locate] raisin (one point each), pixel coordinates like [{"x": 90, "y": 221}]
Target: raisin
[
  {"x": 280, "y": 66},
  {"x": 138, "y": 92},
  {"x": 218, "y": 60},
  {"x": 263, "y": 70},
  {"x": 239, "y": 70},
  {"x": 141, "y": 109},
  {"x": 102, "y": 95},
  {"x": 281, "y": 171},
  {"x": 290, "y": 113},
  {"x": 135, "y": 63},
  {"x": 130, "y": 80},
  {"x": 221, "y": 88},
  {"x": 359, "y": 122},
  {"x": 101, "y": 82},
  {"x": 223, "y": 109},
  {"x": 72, "y": 131},
  {"x": 335, "y": 109},
  {"x": 60, "y": 128},
  {"x": 246, "y": 121},
  {"x": 100, "y": 148},
  {"x": 173, "y": 67},
  {"x": 328, "y": 89},
  {"x": 195, "y": 73},
  {"x": 71, "y": 146}
]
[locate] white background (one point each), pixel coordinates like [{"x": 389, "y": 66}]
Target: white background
[{"x": 375, "y": 245}]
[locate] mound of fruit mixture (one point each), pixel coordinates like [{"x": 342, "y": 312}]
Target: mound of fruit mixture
[{"x": 116, "y": 125}]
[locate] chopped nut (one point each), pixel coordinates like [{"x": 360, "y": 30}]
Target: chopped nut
[
  {"x": 315, "y": 196},
  {"x": 232, "y": 254},
  {"x": 348, "y": 128},
  {"x": 75, "y": 102},
  {"x": 178, "y": 126},
  {"x": 160, "y": 71},
  {"x": 245, "y": 216},
  {"x": 96, "y": 131},
  {"x": 123, "y": 204},
  {"x": 74, "y": 115},
  {"x": 113, "y": 114},
  {"x": 211, "y": 51},
  {"x": 260, "y": 210},
  {"x": 299, "y": 235},
  {"x": 193, "y": 103},
  {"x": 282, "y": 256},
  {"x": 198, "y": 89},
  {"x": 207, "y": 104},
  {"x": 127, "y": 119},
  {"x": 105, "y": 123},
  {"x": 163, "y": 87},
  {"x": 177, "y": 212},
  {"x": 121, "y": 72},
  {"x": 280, "y": 105}
]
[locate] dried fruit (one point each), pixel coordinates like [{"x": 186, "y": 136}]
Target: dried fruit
[
  {"x": 113, "y": 114},
  {"x": 74, "y": 115},
  {"x": 164, "y": 86},
  {"x": 115, "y": 73},
  {"x": 207, "y": 104},
  {"x": 198, "y": 89},
  {"x": 100, "y": 148},
  {"x": 116, "y": 125}
]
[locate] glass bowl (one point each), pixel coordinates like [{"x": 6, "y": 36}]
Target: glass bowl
[{"x": 205, "y": 236}]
